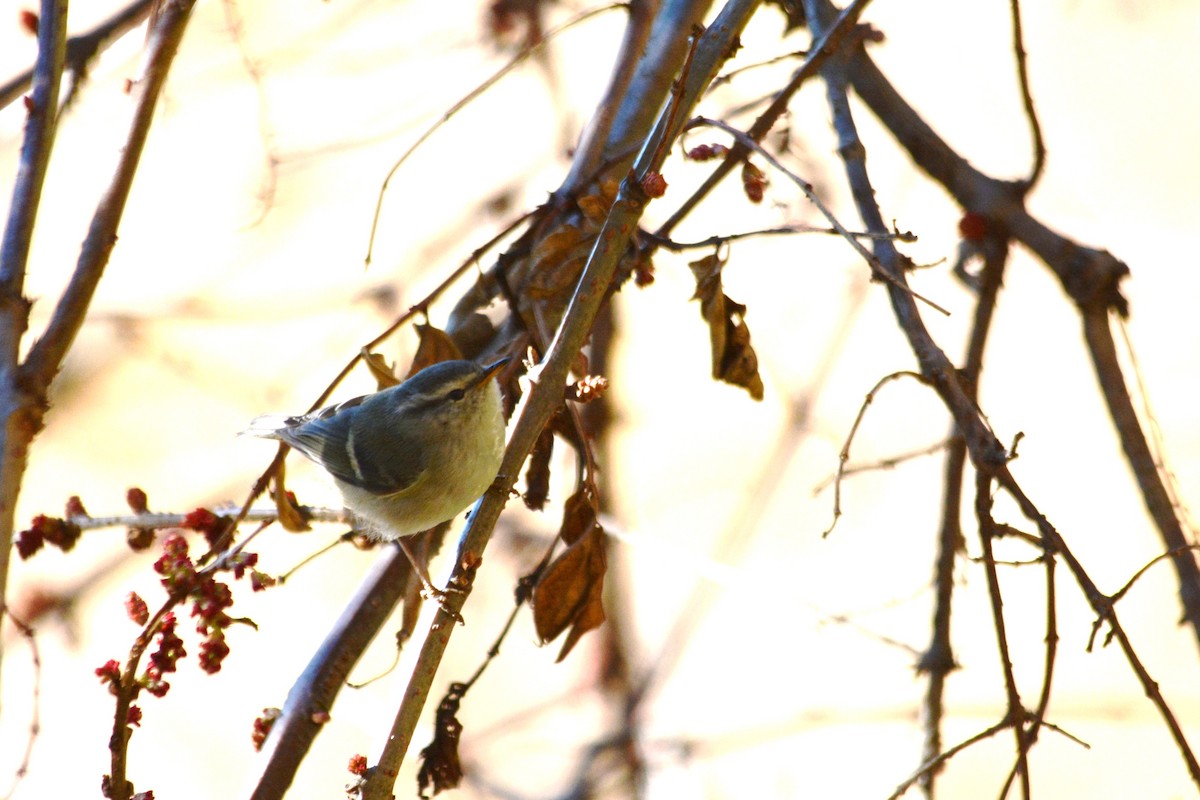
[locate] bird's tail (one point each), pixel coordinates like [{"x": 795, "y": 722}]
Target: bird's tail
[{"x": 268, "y": 426}]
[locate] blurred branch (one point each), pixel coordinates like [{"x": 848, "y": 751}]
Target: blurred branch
[
  {"x": 35, "y": 724},
  {"x": 1035, "y": 127},
  {"x": 82, "y": 49},
  {"x": 938, "y": 660},
  {"x": 513, "y": 63},
  {"x": 22, "y": 405},
  {"x": 593, "y": 149},
  {"x": 314, "y": 692},
  {"x": 24, "y": 401},
  {"x": 1015, "y": 714}
]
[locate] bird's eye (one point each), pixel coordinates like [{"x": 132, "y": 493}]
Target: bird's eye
[{"x": 457, "y": 394}]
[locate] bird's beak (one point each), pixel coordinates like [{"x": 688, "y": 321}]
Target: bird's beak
[{"x": 491, "y": 370}]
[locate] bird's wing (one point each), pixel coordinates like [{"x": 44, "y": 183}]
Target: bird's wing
[{"x": 335, "y": 439}]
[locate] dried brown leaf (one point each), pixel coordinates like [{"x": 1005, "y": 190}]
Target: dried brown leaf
[
  {"x": 595, "y": 207},
  {"x": 570, "y": 592},
  {"x": 441, "y": 768},
  {"x": 556, "y": 248},
  {"x": 733, "y": 358},
  {"x": 385, "y": 375},
  {"x": 579, "y": 516},
  {"x": 286, "y": 509},
  {"x": 435, "y": 346},
  {"x": 537, "y": 474}
]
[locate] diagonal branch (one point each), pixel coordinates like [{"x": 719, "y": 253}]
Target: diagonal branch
[
  {"x": 713, "y": 48},
  {"x": 1089, "y": 276}
]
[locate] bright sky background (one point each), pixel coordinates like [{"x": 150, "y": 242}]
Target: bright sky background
[{"x": 237, "y": 289}]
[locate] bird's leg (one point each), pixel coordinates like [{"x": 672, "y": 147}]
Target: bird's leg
[{"x": 428, "y": 589}]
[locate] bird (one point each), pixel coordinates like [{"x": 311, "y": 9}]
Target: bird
[{"x": 408, "y": 457}]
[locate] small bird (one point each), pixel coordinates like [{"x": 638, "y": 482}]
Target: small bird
[{"x": 409, "y": 457}]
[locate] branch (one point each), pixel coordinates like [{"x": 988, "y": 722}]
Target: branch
[
  {"x": 317, "y": 687},
  {"x": 520, "y": 57},
  {"x": 1035, "y": 128},
  {"x": 1016, "y": 712},
  {"x": 21, "y": 406},
  {"x": 1155, "y": 494},
  {"x": 548, "y": 379},
  {"x": 830, "y": 42},
  {"x": 83, "y": 48},
  {"x": 938, "y": 660}
]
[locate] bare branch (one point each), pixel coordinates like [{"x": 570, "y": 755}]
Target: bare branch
[
  {"x": 545, "y": 396},
  {"x": 83, "y": 48},
  {"x": 1035, "y": 127}
]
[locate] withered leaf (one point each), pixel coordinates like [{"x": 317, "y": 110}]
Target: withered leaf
[
  {"x": 435, "y": 346},
  {"x": 733, "y": 358},
  {"x": 537, "y": 474},
  {"x": 557, "y": 260},
  {"x": 579, "y": 516},
  {"x": 440, "y": 764},
  {"x": 595, "y": 206},
  {"x": 286, "y": 509},
  {"x": 384, "y": 375},
  {"x": 570, "y": 592}
]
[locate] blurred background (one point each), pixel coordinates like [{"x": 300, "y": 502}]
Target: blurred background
[{"x": 238, "y": 286}]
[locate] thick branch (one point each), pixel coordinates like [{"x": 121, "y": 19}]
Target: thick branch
[
  {"x": 1098, "y": 333},
  {"x": 21, "y": 410},
  {"x": 316, "y": 689},
  {"x": 546, "y": 395}
]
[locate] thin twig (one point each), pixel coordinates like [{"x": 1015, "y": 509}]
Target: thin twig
[
  {"x": 873, "y": 262},
  {"x": 1117, "y": 595},
  {"x": 513, "y": 63},
  {"x": 844, "y": 455},
  {"x": 934, "y": 764},
  {"x": 830, "y": 41},
  {"x": 1016, "y": 712},
  {"x": 883, "y": 464},
  {"x": 733, "y": 73},
  {"x": 784, "y": 230},
  {"x": 35, "y": 697},
  {"x": 1035, "y": 127}
]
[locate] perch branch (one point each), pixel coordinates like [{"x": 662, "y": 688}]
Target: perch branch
[{"x": 545, "y": 396}]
